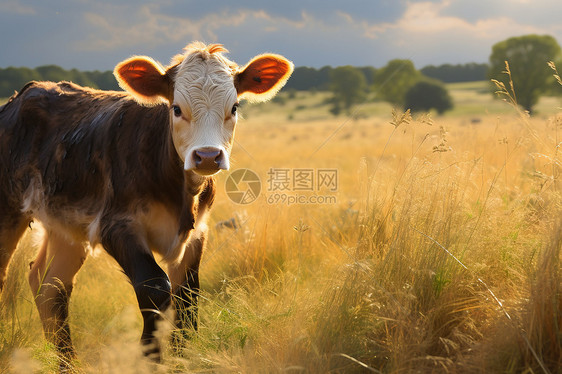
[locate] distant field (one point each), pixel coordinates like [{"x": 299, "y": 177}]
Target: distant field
[{"x": 363, "y": 283}]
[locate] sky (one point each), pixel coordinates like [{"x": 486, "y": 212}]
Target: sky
[{"x": 97, "y": 34}]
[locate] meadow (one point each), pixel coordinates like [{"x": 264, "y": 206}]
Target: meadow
[{"x": 437, "y": 251}]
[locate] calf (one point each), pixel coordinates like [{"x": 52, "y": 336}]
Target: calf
[{"x": 131, "y": 171}]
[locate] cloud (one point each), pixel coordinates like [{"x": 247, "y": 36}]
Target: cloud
[
  {"x": 15, "y": 7},
  {"x": 429, "y": 31},
  {"x": 96, "y": 35},
  {"x": 116, "y": 27},
  {"x": 425, "y": 20},
  {"x": 537, "y": 12}
]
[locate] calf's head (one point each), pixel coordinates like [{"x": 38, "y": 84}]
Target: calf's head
[{"x": 203, "y": 89}]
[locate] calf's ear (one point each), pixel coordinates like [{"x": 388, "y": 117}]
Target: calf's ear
[
  {"x": 262, "y": 77},
  {"x": 145, "y": 79}
]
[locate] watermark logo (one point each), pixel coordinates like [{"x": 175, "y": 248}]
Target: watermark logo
[
  {"x": 243, "y": 186},
  {"x": 313, "y": 180},
  {"x": 284, "y": 186}
]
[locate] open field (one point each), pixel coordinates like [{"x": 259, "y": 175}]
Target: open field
[
  {"x": 471, "y": 99},
  {"x": 437, "y": 251}
]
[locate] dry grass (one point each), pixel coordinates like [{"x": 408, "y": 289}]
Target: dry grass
[{"x": 368, "y": 284}]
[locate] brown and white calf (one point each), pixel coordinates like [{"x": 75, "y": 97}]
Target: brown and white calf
[{"x": 130, "y": 171}]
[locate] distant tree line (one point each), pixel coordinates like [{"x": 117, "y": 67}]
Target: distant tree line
[
  {"x": 522, "y": 68},
  {"x": 398, "y": 83},
  {"x": 448, "y": 73},
  {"x": 307, "y": 78},
  {"x": 13, "y": 79},
  {"x": 303, "y": 79}
]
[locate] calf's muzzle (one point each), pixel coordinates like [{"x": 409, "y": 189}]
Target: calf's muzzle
[{"x": 209, "y": 160}]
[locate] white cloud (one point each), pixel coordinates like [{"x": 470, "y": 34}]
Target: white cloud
[
  {"x": 424, "y": 20},
  {"x": 427, "y": 31}
]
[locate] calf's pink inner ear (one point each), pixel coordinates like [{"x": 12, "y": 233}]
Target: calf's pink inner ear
[
  {"x": 264, "y": 75},
  {"x": 144, "y": 78}
]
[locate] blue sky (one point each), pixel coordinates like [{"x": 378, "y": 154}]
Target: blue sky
[{"x": 96, "y": 35}]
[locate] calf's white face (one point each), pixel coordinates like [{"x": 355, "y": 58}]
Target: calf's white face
[
  {"x": 203, "y": 89},
  {"x": 204, "y": 113}
]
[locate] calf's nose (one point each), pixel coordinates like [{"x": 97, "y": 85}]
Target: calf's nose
[{"x": 209, "y": 159}]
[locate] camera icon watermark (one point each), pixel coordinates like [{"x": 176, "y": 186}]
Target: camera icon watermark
[
  {"x": 243, "y": 186},
  {"x": 287, "y": 186}
]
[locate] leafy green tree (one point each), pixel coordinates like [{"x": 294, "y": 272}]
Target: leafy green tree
[
  {"x": 349, "y": 87},
  {"x": 426, "y": 95},
  {"x": 395, "y": 79},
  {"x": 369, "y": 72},
  {"x": 307, "y": 78},
  {"x": 448, "y": 73},
  {"x": 81, "y": 78},
  {"x": 103, "y": 80},
  {"x": 527, "y": 56},
  {"x": 53, "y": 73},
  {"x": 13, "y": 79}
]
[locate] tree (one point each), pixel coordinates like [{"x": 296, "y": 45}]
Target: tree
[
  {"x": 527, "y": 56},
  {"x": 12, "y": 79},
  {"x": 426, "y": 95},
  {"x": 349, "y": 87},
  {"x": 53, "y": 73},
  {"x": 395, "y": 79},
  {"x": 103, "y": 80},
  {"x": 369, "y": 72},
  {"x": 448, "y": 73},
  {"x": 307, "y": 78}
]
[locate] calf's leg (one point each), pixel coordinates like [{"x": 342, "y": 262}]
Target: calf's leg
[
  {"x": 185, "y": 282},
  {"x": 51, "y": 279},
  {"x": 150, "y": 282},
  {"x": 12, "y": 227}
]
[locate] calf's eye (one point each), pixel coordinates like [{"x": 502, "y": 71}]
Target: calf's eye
[
  {"x": 177, "y": 110},
  {"x": 234, "y": 108}
]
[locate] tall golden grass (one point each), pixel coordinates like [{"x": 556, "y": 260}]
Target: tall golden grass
[{"x": 442, "y": 254}]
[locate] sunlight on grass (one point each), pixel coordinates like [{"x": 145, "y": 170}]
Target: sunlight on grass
[{"x": 368, "y": 283}]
